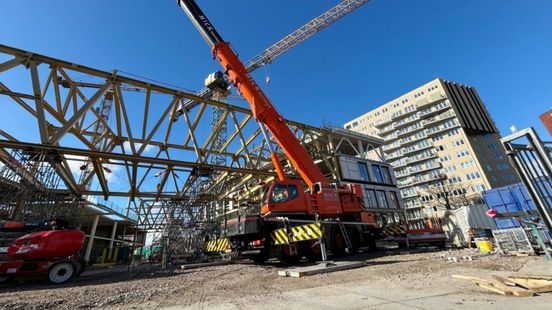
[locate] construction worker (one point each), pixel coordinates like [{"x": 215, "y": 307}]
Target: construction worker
[{"x": 471, "y": 236}]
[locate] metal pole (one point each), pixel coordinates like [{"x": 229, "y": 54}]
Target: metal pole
[
  {"x": 321, "y": 240},
  {"x": 91, "y": 238},
  {"x": 112, "y": 239},
  {"x": 533, "y": 190}
]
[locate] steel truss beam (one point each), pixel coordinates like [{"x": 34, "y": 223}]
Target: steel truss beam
[{"x": 149, "y": 157}]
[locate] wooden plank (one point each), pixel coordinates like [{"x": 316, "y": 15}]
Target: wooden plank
[
  {"x": 542, "y": 289},
  {"x": 463, "y": 277},
  {"x": 503, "y": 280},
  {"x": 548, "y": 278},
  {"x": 530, "y": 283},
  {"x": 494, "y": 289},
  {"x": 297, "y": 272},
  {"x": 498, "y": 285}
]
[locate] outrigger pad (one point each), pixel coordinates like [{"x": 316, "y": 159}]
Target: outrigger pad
[{"x": 299, "y": 233}]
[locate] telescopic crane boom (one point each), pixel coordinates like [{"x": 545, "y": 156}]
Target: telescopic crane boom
[
  {"x": 288, "y": 42},
  {"x": 261, "y": 107}
]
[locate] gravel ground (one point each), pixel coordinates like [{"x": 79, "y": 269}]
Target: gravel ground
[{"x": 218, "y": 284}]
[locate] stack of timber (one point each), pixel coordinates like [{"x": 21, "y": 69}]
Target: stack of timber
[{"x": 516, "y": 285}]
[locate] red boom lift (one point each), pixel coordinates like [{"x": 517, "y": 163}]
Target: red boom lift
[
  {"x": 285, "y": 201},
  {"x": 41, "y": 252}
]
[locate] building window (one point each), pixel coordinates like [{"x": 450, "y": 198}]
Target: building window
[
  {"x": 363, "y": 170},
  {"x": 440, "y": 148},
  {"x": 453, "y": 132},
  {"x": 509, "y": 177},
  {"x": 371, "y": 198},
  {"x": 463, "y": 153},
  {"x": 458, "y": 142},
  {"x": 386, "y": 175},
  {"x": 494, "y": 178},
  {"x": 467, "y": 164},
  {"x": 446, "y": 158},
  {"x": 377, "y": 173},
  {"x": 502, "y": 166},
  {"x": 489, "y": 167},
  {"x": 394, "y": 200},
  {"x": 473, "y": 176},
  {"x": 478, "y": 188},
  {"x": 454, "y": 180},
  {"x": 382, "y": 199},
  {"x": 491, "y": 146}
]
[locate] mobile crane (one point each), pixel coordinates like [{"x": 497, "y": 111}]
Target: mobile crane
[{"x": 286, "y": 204}]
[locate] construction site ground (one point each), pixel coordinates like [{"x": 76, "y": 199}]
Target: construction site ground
[{"x": 389, "y": 281}]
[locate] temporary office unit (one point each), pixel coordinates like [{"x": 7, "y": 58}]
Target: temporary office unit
[{"x": 459, "y": 222}]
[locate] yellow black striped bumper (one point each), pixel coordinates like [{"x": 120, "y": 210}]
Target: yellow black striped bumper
[
  {"x": 393, "y": 230},
  {"x": 299, "y": 233},
  {"x": 217, "y": 245}
]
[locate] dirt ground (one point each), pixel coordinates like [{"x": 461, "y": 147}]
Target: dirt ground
[{"x": 246, "y": 285}]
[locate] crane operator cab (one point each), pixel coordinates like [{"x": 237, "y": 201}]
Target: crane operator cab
[{"x": 287, "y": 196}]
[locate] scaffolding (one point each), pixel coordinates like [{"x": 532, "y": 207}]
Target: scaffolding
[{"x": 32, "y": 189}]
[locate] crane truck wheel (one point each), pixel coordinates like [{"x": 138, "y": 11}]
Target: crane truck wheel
[
  {"x": 4, "y": 279},
  {"x": 62, "y": 272},
  {"x": 288, "y": 258},
  {"x": 355, "y": 241},
  {"x": 337, "y": 243}
]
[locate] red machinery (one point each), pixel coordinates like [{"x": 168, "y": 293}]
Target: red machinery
[
  {"x": 285, "y": 198},
  {"x": 48, "y": 252}
]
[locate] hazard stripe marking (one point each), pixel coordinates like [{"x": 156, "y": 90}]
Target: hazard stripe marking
[
  {"x": 299, "y": 233},
  {"x": 393, "y": 230},
  {"x": 217, "y": 245}
]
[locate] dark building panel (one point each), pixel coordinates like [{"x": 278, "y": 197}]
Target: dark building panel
[{"x": 473, "y": 115}]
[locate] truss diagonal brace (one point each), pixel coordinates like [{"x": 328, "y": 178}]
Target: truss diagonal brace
[{"x": 71, "y": 122}]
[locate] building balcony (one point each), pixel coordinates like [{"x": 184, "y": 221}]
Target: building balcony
[
  {"x": 438, "y": 118},
  {"x": 391, "y": 147},
  {"x": 385, "y": 130},
  {"x": 391, "y": 137},
  {"x": 394, "y": 155},
  {"x": 405, "y": 131},
  {"x": 402, "y": 175},
  {"x": 429, "y": 100},
  {"x": 426, "y": 168},
  {"x": 410, "y": 194},
  {"x": 421, "y": 157},
  {"x": 424, "y": 113},
  {"x": 382, "y": 122},
  {"x": 415, "y": 149},
  {"x": 400, "y": 164},
  {"x": 431, "y": 132}
]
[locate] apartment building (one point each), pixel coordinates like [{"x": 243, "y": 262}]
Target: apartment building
[{"x": 443, "y": 145}]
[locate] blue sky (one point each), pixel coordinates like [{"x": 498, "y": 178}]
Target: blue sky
[{"x": 377, "y": 53}]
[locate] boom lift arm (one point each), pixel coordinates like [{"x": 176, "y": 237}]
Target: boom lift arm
[{"x": 262, "y": 109}]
